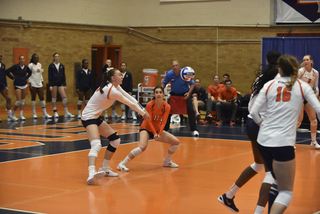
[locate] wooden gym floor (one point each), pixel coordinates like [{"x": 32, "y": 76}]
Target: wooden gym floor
[{"x": 43, "y": 169}]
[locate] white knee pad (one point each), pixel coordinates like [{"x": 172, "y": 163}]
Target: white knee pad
[
  {"x": 86, "y": 101},
  {"x": 268, "y": 179},
  {"x": 314, "y": 122},
  {"x": 54, "y": 100},
  {"x": 284, "y": 197},
  {"x": 79, "y": 102},
  {"x": 173, "y": 148},
  {"x": 115, "y": 143},
  {"x": 257, "y": 167},
  {"x": 18, "y": 103},
  {"x": 43, "y": 103},
  {"x": 23, "y": 101},
  {"x": 33, "y": 104},
  {"x": 64, "y": 100},
  {"x": 123, "y": 107},
  {"x": 95, "y": 148},
  {"x": 137, "y": 151}
]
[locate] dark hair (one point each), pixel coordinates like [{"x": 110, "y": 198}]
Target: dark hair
[
  {"x": 227, "y": 81},
  {"x": 216, "y": 76},
  {"x": 268, "y": 74},
  {"x": 33, "y": 57},
  {"x": 123, "y": 63},
  {"x": 53, "y": 55},
  {"x": 83, "y": 61},
  {"x": 226, "y": 75},
  {"x": 20, "y": 56},
  {"x": 107, "y": 78},
  {"x": 289, "y": 66},
  {"x": 155, "y": 88}
]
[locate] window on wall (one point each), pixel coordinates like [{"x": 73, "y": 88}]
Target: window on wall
[{"x": 297, "y": 11}]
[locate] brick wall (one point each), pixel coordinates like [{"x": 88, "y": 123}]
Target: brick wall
[{"x": 239, "y": 49}]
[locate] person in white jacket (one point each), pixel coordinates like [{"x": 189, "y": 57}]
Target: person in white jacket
[
  {"x": 108, "y": 92},
  {"x": 277, "y": 134},
  {"x": 36, "y": 86}
]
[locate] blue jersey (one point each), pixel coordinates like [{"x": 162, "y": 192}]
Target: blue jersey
[{"x": 178, "y": 85}]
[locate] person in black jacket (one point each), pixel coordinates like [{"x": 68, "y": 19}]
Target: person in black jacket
[
  {"x": 21, "y": 73},
  {"x": 84, "y": 84},
  {"x": 57, "y": 83},
  {"x": 199, "y": 97},
  {"x": 4, "y": 89},
  {"x": 127, "y": 85}
]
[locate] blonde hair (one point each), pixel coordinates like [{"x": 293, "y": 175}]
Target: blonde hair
[
  {"x": 310, "y": 57},
  {"x": 289, "y": 66}
]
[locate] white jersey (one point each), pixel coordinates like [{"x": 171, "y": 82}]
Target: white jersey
[
  {"x": 36, "y": 78},
  {"x": 312, "y": 77},
  {"x": 99, "y": 102},
  {"x": 278, "y": 128}
]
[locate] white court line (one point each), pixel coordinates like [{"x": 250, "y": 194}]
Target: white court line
[{"x": 317, "y": 212}]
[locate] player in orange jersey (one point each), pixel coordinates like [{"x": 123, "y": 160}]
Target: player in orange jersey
[{"x": 158, "y": 110}]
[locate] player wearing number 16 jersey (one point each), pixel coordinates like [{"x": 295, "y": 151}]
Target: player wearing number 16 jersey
[
  {"x": 158, "y": 110},
  {"x": 277, "y": 134}
]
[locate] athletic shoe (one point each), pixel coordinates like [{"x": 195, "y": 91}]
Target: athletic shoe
[
  {"x": 134, "y": 117},
  {"x": 93, "y": 176},
  {"x": 12, "y": 119},
  {"x": 228, "y": 203},
  {"x": 56, "y": 114},
  {"x": 22, "y": 117},
  {"x": 315, "y": 144},
  {"x": 170, "y": 164},
  {"x": 108, "y": 172},
  {"x": 34, "y": 116},
  {"x": 219, "y": 123},
  {"x": 69, "y": 115},
  {"x": 48, "y": 116},
  {"x": 79, "y": 116},
  {"x": 232, "y": 123},
  {"x": 209, "y": 115},
  {"x": 195, "y": 133},
  {"x": 123, "y": 117},
  {"x": 122, "y": 167},
  {"x": 115, "y": 115}
]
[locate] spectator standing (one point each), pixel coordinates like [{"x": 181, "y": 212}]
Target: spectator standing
[{"x": 21, "y": 73}]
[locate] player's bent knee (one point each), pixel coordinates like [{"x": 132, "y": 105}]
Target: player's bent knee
[
  {"x": 114, "y": 142},
  {"x": 137, "y": 151},
  {"x": 173, "y": 148},
  {"x": 64, "y": 100},
  {"x": 314, "y": 122},
  {"x": 18, "y": 103},
  {"x": 268, "y": 179},
  {"x": 284, "y": 197},
  {"x": 95, "y": 148},
  {"x": 257, "y": 167},
  {"x": 23, "y": 101},
  {"x": 53, "y": 100}
]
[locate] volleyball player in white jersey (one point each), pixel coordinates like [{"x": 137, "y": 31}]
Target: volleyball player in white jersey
[
  {"x": 277, "y": 134},
  {"x": 252, "y": 131},
  {"x": 109, "y": 91},
  {"x": 311, "y": 76},
  {"x": 36, "y": 86}
]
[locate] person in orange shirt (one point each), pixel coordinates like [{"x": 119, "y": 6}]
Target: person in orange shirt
[
  {"x": 227, "y": 100},
  {"x": 213, "y": 93},
  {"x": 158, "y": 110}
]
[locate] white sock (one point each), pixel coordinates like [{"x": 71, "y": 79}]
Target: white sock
[
  {"x": 114, "y": 112},
  {"x": 126, "y": 160},
  {"x": 91, "y": 169},
  {"x": 105, "y": 163},
  {"x": 313, "y": 137},
  {"x": 123, "y": 113},
  {"x": 79, "y": 112},
  {"x": 66, "y": 110},
  {"x": 44, "y": 111},
  {"x": 259, "y": 210},
  {"x": 21, "y": 113},
  {"x": 168, "y": 158},
  {"x": 9, "y": 113},
  {"x": 13, "y": 113},
  {"x": 33, "y": 106},
  {"x": 232, "y": 191},
  {"x": 106, "y": 112}
]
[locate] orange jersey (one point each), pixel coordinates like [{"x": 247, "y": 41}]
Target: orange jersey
[
  {"x": 215, "y": 91},
  {"x": 228, "y": 95},
  {"x": 158, "y": 115}
]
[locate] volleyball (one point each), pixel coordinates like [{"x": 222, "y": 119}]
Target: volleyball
[{"x": 187, "y": 73}]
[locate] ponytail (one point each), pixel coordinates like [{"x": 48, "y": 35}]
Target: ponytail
[
  {"x": 289, "y": 66},
  {"x": 106, "y": 79}
]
